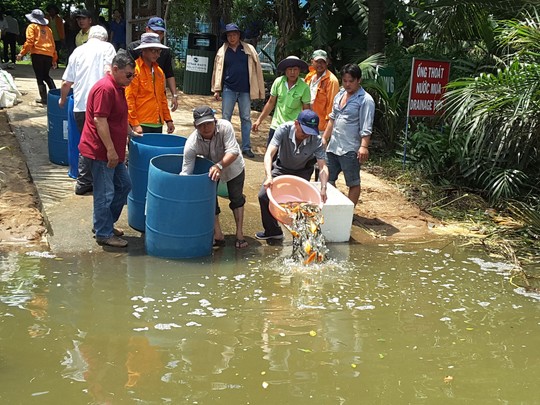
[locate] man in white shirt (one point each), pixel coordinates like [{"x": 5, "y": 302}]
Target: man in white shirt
[
  {"x": 87, "y": 64},
  {"x": 215, "y": 140}
]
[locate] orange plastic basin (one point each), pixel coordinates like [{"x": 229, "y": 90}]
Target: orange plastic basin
[{"x": 286, "y": 189}]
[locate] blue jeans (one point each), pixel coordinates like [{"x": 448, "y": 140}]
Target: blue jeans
[
  {"x": 229, "y": 99},
  {"x": 111, "y": 189},
  {"x": 348, "y": 164}
]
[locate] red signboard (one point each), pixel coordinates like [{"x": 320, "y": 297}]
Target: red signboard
[{"x": 428, "y": 81}]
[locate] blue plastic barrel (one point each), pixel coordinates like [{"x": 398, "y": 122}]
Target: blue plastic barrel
[
  {"x": 141, "y": 150},
  {"x": 58, "y": 129},
  {"x": 180, "y": 210},
  {"x": 74, "y": 137}
]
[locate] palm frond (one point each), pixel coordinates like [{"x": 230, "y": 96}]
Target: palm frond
[
  {"x": 358, "y": 12},
  {"x": 528, "y": 214},
  {"x": 503, "y": 183},
  {"x": 500, "y": 113},
  {"x": 369, "y": 65},
  {"x": 320, "y": 12},
  {"x": 523, "y": 36}
]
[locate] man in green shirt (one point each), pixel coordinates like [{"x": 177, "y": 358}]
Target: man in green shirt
[{"x": 288, "y": 95}]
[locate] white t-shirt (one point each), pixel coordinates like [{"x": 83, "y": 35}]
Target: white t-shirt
[
  {"x": 313, "y": 86},
  {"x": 224, "y": 141},
  {"x": 86, "y": 65}
]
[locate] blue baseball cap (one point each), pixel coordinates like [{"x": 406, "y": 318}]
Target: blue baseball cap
[
  {"x": 156, "y": 24},
  {"x": 309, "y": 121}
]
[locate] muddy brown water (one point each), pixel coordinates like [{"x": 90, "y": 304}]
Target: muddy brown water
[{"x": 383, "y": 324}]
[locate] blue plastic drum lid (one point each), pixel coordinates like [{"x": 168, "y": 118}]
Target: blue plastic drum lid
[
  {"x": 57, "y": 123},
  {"x": 180, "y": 210},
  {"x": 141, "y": 150},
  {"x": 74, "y": 137}
]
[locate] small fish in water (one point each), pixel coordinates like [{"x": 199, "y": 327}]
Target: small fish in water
[{"x": 308, "y": 241}]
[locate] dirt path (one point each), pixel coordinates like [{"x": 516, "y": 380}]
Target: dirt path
[
  {"x": 383, "y": 212},
  {"x": 20, "y": 217}
]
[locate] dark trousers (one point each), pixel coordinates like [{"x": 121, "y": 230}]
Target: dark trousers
[
  {"x": 42, "y": 65},
  {"x": 10, "y": 41},
  {"x": 235, "y": 189},
  {"x": 270, "y": 224},
  {"x": 270, "y": 136},
  {"x": 85, "y": 164},
  {"x": 58, "y": 45},
  {"x": 151, "y": 130}
]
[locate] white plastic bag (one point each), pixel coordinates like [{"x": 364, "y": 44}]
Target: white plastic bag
[{"x": 9, "y": 94}]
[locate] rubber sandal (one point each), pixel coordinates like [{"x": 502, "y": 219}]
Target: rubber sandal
[
  {"x": 240, "y": 244},
  {"x": 219, "y": 242}
]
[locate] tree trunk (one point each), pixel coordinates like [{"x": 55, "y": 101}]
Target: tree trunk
[
  {"x": 376, "y": 29},
  {"x": 220, "y": 12},
  {"x": 288, "y": 13}
]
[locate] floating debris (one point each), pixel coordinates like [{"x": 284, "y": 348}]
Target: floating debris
[
  {"x": 45, "y": 255},
  {"x": 309, "y": 245}
]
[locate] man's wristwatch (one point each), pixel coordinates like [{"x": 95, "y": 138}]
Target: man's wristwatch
[{"x": 219, "y": 166}]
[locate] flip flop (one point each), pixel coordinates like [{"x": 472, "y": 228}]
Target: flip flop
[
  {"x": 219, "y": 242},
  {"x": 240, "y": 244}
]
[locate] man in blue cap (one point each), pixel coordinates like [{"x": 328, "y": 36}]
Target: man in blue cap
[
  {"x": 298, "y": 146},
  {"x": 156, "y": 25},
  {"x": 238, "y": 78}
]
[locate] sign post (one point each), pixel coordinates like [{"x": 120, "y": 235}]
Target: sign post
[{"x": 428, "y": 85}]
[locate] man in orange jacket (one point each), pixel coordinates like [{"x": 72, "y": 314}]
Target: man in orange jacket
[
  {"x": 323, "y": 85},
  {"x": 56, "y": 24},
  {"x": 146, "y": 98}
]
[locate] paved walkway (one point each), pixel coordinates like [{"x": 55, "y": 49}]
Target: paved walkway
[{"x": 68, "y": 216}]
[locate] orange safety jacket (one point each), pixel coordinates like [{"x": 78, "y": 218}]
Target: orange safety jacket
[
  {"x": 146, "y": 98},
  {"x": 39, "y": 40},
  {"x": 326, "y": 91},
  {"x": 57, "y": 20}
]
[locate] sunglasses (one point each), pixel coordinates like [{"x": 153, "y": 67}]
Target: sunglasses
[{"x": 130, "y": 75}]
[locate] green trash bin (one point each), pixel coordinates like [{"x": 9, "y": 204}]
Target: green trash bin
[{"x": 200, "y": 55}]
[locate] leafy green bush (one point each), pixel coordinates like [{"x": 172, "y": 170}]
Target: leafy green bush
[
  {"x": 179, "y": 69},
  {"x": 435, "y": 153}
]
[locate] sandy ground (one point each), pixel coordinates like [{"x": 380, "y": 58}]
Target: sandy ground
[{"x": 383, "y": 214}]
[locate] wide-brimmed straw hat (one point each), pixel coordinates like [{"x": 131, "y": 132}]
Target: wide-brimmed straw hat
[
  {"x": 231, "y": 28},
  {"x": 292, "y": 61},
  {"x": 38, "y": 17},
  {"x": 150, "y": 40}
]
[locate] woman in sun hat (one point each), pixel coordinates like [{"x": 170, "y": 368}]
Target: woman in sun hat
[
  {"x": 40, "y": 44},
  {"x": 146, "y": 98},
  {"x": 288, "y": 95}
]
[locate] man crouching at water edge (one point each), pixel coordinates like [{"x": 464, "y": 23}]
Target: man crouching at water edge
[
  {"x": 298, "y": 145},
  {"x": 215, "y": 140},
  {"x": 103, "y": 142}
]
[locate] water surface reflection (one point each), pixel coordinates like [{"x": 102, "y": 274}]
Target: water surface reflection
[{"x": 380, "y": 324}]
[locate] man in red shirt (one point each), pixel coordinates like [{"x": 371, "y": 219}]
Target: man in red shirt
[{"x": 103, "y": 142}]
